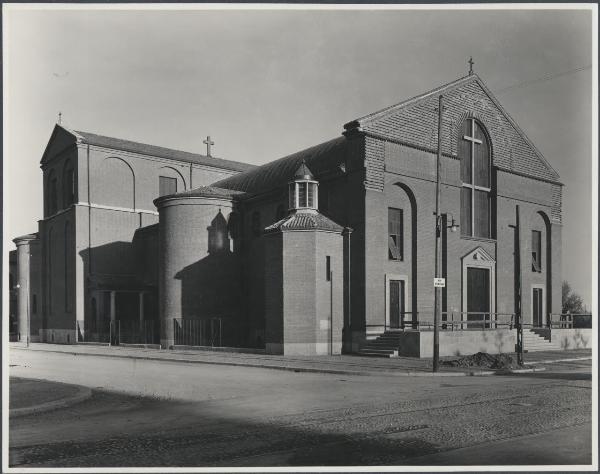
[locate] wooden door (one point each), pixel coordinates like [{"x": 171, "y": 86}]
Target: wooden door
[
  {"x": 478, "y": 296},
  {"x": 538, "y": 309},
  {"x": 397, "y": 304}
]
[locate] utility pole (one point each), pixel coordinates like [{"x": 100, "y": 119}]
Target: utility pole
[
  {"x": 519, "y": 290},
  {"x": 438, "y": 234}
]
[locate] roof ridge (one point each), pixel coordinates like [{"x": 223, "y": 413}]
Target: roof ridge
[
  {"x": 80, "y": 132},
  {"x": 142, "y": 148}
]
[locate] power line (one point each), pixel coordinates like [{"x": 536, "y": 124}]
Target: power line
[{"x": 542, "y": 79}]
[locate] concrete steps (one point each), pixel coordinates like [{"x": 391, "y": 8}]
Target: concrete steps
[
  {"x": 384, "y": 345},
  {"x": 533, "y": 342}
]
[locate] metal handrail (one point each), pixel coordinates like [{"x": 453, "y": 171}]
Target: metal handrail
[
  {"x": 452, "y": 321},
  {"x": 567, "y": 320}
]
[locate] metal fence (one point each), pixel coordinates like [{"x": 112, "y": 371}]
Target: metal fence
[
  {"x": 460, "y": 321},
  {"x": 198, "y": 332},
  {"x": 137, "y": 332},
  {"x": 118, "y": 332},
  {"x": 451, "y": 321},
  {"x": 92, "y": 332},
  {"x": 569, "y": 320}
]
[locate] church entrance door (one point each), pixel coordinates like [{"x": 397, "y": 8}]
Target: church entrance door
[
  {"x": 538, "y": 308},
  {"x": 397, "y": 304},
  {"x": 478, "y": 297}
]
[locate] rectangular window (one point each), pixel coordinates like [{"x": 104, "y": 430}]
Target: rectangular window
[
  {"x": 166, "y": 186},
  {"x": 536, "y": 251},
  {"x": 311, "y": 195},
  {"x": 395, "y": 234},
  {"x": 302, "y": 194},
  {"x": 328, "y": 268}
]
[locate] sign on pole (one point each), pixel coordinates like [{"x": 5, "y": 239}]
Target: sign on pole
[{"x": 439, "y": 282}]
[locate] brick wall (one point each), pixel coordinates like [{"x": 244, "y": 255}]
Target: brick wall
[
  {"x": 304, "y": 311},
  {"x": 409, "y": 171},
  {"x": 416, "y": 124},
  {"x": 193, "y": 282}
]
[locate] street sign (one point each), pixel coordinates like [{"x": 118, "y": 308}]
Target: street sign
[{"x": 439, "y": 282}]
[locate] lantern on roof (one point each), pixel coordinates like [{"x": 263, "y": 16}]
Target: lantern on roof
[{"x": 303, "y": 190}]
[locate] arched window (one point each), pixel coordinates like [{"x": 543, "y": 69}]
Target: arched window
[
  {"x": 68, "y": 184},
  {"x": 475, "y": 201}
]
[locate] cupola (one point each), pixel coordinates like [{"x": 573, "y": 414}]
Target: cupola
[{"x": 303, "y": 190}]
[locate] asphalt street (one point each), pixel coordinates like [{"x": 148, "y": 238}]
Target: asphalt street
[{"x": 156, "y": 413}]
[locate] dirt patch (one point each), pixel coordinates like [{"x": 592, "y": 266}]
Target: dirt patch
[{"x": 482, "y": 359}]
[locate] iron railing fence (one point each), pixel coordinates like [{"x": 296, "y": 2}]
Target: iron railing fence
[
  {"x": 92, "y": 331},
  {"x": 118, "y": 332},
  {"x": 450, "y": 321},
  {"x": 138, "y": 332},
  {"x": 198, "y": 332},
  {"x": 569, "y": 320},
  {"x": 461, "y": 321}
]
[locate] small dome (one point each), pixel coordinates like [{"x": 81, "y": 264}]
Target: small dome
[{"x": 303, "y": 172}]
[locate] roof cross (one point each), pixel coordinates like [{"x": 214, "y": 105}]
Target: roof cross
[
  {"x": 208, "y": 142},
  {"x": 60, "y": 118},
  {"x": 471, "y": 62}
]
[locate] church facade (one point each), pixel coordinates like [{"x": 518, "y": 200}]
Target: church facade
[{"x": 318, "y": 252}]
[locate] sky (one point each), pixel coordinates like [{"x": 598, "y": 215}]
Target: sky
[{"x": 266, "y": 83}]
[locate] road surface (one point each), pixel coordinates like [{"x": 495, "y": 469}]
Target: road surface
[{"x": 154, "y": 413}]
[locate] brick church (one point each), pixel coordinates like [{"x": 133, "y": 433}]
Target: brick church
[{"x": 324, "y": 251}]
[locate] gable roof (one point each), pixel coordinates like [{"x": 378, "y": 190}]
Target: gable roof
[
  {"x": 151, "y": 150},
  {"x": 513, "y": 150},
  {"x": 320, "y": 158}
]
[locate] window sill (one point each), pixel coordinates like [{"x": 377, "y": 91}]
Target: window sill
[{"x": 479, "y": 239}]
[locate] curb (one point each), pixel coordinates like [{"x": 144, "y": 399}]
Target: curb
[
  {"x": 553, "y": 361},
  {"x": 83, "y": 394},
  {"x": 520, "y": 371},
  {"x": 398, "y": 373}
]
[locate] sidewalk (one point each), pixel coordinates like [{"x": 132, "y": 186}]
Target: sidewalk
[
  {"x": 28, "y": 396},
  {"x": 341, "y": 364}
]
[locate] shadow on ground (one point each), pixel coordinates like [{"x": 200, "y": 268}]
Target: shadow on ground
[{"x": 156, "y": 433}]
